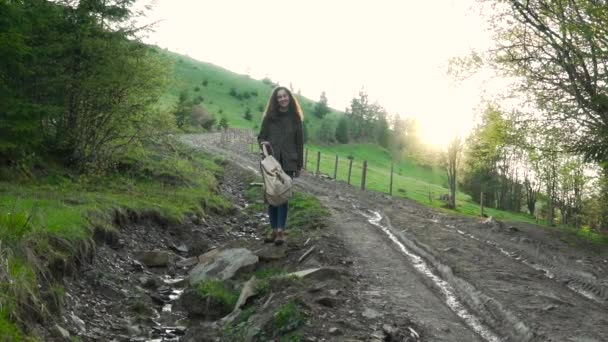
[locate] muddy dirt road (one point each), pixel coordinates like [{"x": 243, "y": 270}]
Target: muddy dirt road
[{"x": 459, "y": 278}]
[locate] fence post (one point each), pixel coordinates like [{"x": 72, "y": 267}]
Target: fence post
[
  {"x": 336, "y": 169},
  {"x": 350, "y": 168},
  {"x": 318, "y": 161},
  {"x": 391, "y": 186},
  {"x": 306, "y": 159},
  {"x": 481, "y": 202},
  {"x": 363, "y": 175}
]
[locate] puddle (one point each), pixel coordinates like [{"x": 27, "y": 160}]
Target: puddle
[{"x": 447, "y": 290}]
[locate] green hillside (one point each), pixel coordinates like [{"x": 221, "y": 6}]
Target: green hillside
[{"x": 215, "y": 85}]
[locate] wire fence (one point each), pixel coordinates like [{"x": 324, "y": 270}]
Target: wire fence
[{"x": 387, "y": 178}]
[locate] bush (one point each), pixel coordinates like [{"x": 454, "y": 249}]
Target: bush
[
  {"x": 223, "y": 124},
  {"x": 205, "y": 82},
  {"x": 197, "y": 88},
  {"x": 247, "y": 116}
]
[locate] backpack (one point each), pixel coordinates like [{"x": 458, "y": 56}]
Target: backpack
[{"x": 277, "y": 184}]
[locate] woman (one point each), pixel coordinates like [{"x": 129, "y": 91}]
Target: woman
[{"x": 281, "y": 133}]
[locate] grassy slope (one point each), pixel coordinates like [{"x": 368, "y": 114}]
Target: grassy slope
[{"x": 189, "y": 75}]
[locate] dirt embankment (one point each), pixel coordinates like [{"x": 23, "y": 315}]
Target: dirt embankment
[{"x": 138, "y": 286}]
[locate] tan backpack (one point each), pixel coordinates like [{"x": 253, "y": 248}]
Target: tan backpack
[{"x": 277, "y": 184}]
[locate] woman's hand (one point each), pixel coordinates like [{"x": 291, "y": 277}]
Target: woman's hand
[{"x": 268, "y": 146}]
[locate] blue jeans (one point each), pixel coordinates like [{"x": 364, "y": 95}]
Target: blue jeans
[{"x": 278, "y": 215}]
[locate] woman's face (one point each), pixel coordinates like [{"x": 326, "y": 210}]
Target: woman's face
[{"x": 283, "y": 98}]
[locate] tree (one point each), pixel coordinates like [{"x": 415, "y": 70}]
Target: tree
[
  {"x": 223, "y": 124},
  {"x": 451, "y": 161},
  {"x": 326, "y": 132},
  {"x": 342, "y": 131},
  {"x": 321, "y": 108},
  {"x": 183, "y": 109},
  {"x": 559, "y": 48},
  {"x": 79, "y": 81}
]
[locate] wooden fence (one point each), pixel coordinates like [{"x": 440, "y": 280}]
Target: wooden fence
[{"x": 326, "y": 165}]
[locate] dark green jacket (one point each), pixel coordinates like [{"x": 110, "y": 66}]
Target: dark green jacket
[{"x": 284, "y": 132}]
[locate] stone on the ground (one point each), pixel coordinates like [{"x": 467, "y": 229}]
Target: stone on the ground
[
  {"x": 329, "y": 302},
  {"x": 319, "y": 273},
  {"x": 225, "y": 265},
  {"x": 152, "y": 258},
  {"x": 79, "y": 322},
  {"x": 250, "y": 289},
  {"x": 149, "y": 282},
  {"x": 335, "y": 331},
  {"x": 206, "y": 307},
  {"x": 185, "y": 263},
  {"x": 371, "y": 313},
  {"x": 209, "y": 256},
  {"x": 61, "y": 332},
  {"x": 182, "y": 248},
  {"x": 392, "y": 333},
  {"x": 272, "y": 252}
]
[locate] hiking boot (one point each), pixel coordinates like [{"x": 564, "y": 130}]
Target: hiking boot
[
  {"x": 280, "y": 238},
  {"x": 272, "y": 237}
]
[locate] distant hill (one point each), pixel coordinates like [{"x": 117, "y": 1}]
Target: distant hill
[{"x": 226, "y": 93}]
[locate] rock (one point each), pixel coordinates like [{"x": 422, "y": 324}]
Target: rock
[
  {"x": 371, "y": 313},
  {"x": 224, "y": 266},
  {"x": 272, "y": 253},
  {"x": 149, "y": 282},
  {"x": 249, "y": 290},
  {"x": 134, "y": 330},
  {"x": 335, "y": 331},
  {"x": 209, "y": 256},
  {"x": 206, "y": 307},
  {"x": 181, "y": 248},
  {"x": 152, "y": 258},
  {"x": 186, "y": 263},
  {"x": 392, "y": 333},
  {"x": 334, "y": 292},
  {"x": 327, "y": 301},
  {"x": 61, "y": 333},
  {"x": 320, "y": 273},
  {"x": 79, "y": 323}
]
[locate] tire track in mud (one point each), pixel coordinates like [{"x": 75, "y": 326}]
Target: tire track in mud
[{"x": 550, "y": 309}]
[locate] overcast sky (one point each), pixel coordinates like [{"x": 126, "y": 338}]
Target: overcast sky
[{"x": 397, "y": 50}]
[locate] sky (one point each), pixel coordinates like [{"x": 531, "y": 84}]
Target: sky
[{"x": 397, "y": 50}]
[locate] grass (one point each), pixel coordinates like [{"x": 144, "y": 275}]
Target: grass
[
  {"x": 288, "y": 318},
  {"x": 48, "y": 219},
  {"x": 218, "y": 290}
]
